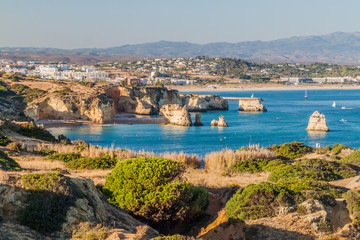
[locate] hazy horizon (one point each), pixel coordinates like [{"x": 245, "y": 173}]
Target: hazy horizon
[{"x": 94, "y": 24}]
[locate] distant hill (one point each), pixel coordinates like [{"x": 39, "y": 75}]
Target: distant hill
[{"x": 336, "y": 47}]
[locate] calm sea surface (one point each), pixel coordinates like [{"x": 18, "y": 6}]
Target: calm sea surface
[{"x": 285, "y": 121}]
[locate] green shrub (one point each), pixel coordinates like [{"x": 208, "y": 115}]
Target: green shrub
[
  {"x": 148, "y": 188},
  {"x": 325, "y": 227},
  {"x": 76, "y": 161},
  {"x": 337, "y": 148},
  {"x": 256, "y": 165},
  {"x": 315, "y": 169},
  {"x": 7, "y": 163},
  {"x": 4, "y": 140},
  {"x": 352, "y": 199},
  {"x": 62, "y": 139},
  {"x": 49, "y": 196},
  {"x": 29, "y": 93},
  {"x": 352, "y": 158},
  {"x": 34, "y": 131},
  {"x": 304, "y": 189},
  {"x": 323, "y": 150},
  {"x": 291, "y": 150},
  {"x": 45, "y": 152},
  {"x": 258, "y": 201}
]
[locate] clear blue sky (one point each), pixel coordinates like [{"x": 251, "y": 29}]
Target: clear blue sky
[{"x": 107, "y": 23}]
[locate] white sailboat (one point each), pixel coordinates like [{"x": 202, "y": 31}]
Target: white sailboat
[
  {"x": 334, "y": 104},
  {"x": 306, "y": 96}
]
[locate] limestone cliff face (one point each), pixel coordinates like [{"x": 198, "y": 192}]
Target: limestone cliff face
[
  {"x": 251, "y": 105},
  {"x": 202, "y": 103},
  {"x": 317, "y": 122},
  {"x": 176, "y": 114},
  {"x": 149, "y": 100},
  {"x": 98, "y": 107}
]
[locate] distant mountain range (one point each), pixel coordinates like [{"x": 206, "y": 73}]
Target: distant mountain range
[{"x": 339, "y": 47}]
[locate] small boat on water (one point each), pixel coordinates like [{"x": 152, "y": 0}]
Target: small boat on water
[
  {"x": 306, "y": 96},
  {"x": 334, "y": 104},
  {"x": 343, "y": 107}
]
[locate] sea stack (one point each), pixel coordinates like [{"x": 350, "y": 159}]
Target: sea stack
[
  {"x": 251, "y": 105},
  {"x": 220, "y": 123},
  {"x": 176, "y": 115},
  {"x": 317, "y": 122},
  {"x": 198, "y": 120}
]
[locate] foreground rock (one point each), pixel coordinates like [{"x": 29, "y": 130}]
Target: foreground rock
[
  {"x": 91, "y": 207},
  {"x": 176, "y": 115},
  {"x": 317, "y": 122},
  {"x": 198, "y": 120},
  {"x": 220, "y": 123},
  {"x": 251, "y": 105}
]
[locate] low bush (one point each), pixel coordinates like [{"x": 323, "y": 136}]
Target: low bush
[
  {"x": 352, "y": 199},
  {"x": 337, "y": 148},
  {"x": 258, "y": 201},
  {"x": 65, "y": 157},
  {"x": 149, "y": 189},
  {"x": 7, "y": 163},
  {"x": 49, "y": 196},
  {"x": 4, "y": 140},
  {"x": 291, "y": 150},
  {"x": 352, "y": 158},
  {"x": 323, "y": 150},
  {"x": 256, "y": 165},
  {"x": 14, "y": 146},
  {"x": 29, "y": 93},
  {"x": 33, "y": 131},
  {"x": 315, "y": 169},
  {"x": 62, "y": 139}
]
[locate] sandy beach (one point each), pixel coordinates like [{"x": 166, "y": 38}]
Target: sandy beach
[{"x": 263, "y": 87}]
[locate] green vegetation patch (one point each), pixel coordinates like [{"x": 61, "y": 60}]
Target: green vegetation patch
[
  {"x": 7, "y": 163},
  {"x": 29, "y": 93},
  {"x": 315, "y": 169},
  {"x": 34, "y": 131},
  {"x": 76, "y": 161},
  {"x": 4, "y": 140},
  {"x": 258, "y": 201},
  {"x": 352, "y": 158},
  {"x": 337, "y": 148},
  {"x": 148, "y": 187},
  {"x": 257, "y": 165},
  {"x": 352, "y": 198},
  {"x": 49, "y": 197},
  {"x": 291, "y": 150}
]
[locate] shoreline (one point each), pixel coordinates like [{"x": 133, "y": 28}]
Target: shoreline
[{"x": 264, "y": 87}]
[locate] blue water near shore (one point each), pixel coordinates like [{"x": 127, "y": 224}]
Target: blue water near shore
[{"x": 285, "y": 121}]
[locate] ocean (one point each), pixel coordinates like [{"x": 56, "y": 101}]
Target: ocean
[{"x": 285, "y": 121}]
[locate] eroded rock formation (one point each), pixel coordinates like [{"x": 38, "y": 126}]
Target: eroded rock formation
[
  {"x": 176, "y": 114},
  {"x": 220, "y": 123},
  {"x": 202, "y": 103},
  {"x": 251, "y": 105},
  {"x": 198, "y": 120},
  {"x": 317, "y": 122}
]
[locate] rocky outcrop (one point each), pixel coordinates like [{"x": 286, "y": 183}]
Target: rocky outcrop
[
  {"x": 251, "y": 105},
  {"x": 176, "y": 114},
  {"x": 198, "y": 120},
  {"x": 202, "y": 103},
  {"x": 317, "y": 122},
  {"x": 91, "y": 207},
  {"x": 96, "y": 107},
  {"x": 220, "y": 123}
]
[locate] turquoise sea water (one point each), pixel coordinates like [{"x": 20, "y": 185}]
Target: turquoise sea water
[{"x": 285, "y": 121}]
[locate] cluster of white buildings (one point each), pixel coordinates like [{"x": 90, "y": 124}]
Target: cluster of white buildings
[
  {"x": 296, "y": 80},
  {"x": 53, "y": 71}
]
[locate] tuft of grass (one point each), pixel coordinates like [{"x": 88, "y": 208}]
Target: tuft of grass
[
  {"x": 86, "y": 231},
  {"x": 226, "y": 157},
  {"x": 291, "y": 150},
  {"x": 338, "y": 148}
]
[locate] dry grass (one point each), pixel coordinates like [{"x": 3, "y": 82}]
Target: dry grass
[
  {"x": 92, "y": 151},
  {"x": 226, "y": 157}
]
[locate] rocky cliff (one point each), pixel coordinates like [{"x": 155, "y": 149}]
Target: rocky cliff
[
  {"x": 176, "y": 114},
  {"x": 251, "y": 105},
  {"x": 317, "y": 122},
  {"x": 68, "y": 105},
  {"x": 202, "y": 103},
  {"x": 91, "y": 207}
]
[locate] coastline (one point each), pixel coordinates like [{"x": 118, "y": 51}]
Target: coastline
[{"x": 263, "y": 87}]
